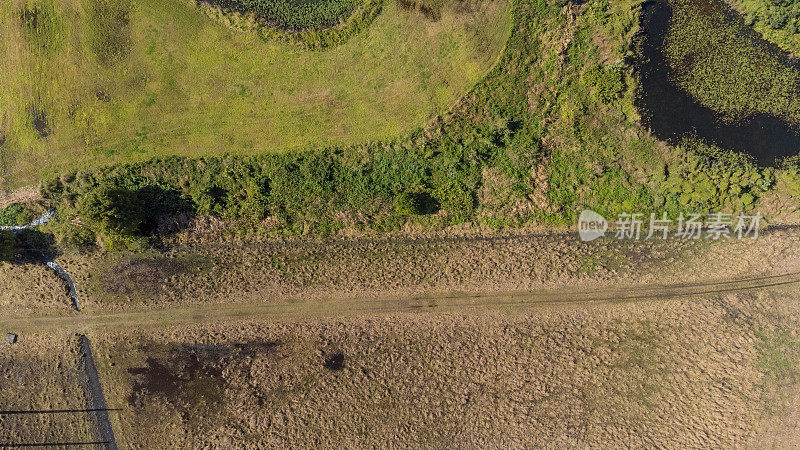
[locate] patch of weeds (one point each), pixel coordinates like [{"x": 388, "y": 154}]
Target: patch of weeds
[
  {"x": 109, "y": 30},
  {"x": 44, "y": 28},
  {"x": 17, "y": 214},
  {"x": 709, "y": 179},
  {"x": 778, "y": 357},
  {"x": 40, "y": 121},
  {"x": 148, "y": 276}
]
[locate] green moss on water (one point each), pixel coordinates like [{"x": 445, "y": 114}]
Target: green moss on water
[{"x": 296, "y": 14}]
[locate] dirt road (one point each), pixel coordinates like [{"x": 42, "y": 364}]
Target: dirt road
[{"x": 342, "y": 307}]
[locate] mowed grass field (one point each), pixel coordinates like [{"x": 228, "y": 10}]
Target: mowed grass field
[{"x": 87, "y": 82}]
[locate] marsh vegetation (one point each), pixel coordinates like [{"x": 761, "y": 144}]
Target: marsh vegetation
[{"x": 706, "y": 74}]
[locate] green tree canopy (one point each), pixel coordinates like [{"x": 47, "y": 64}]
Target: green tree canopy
[{"x": 112, "y": 210}]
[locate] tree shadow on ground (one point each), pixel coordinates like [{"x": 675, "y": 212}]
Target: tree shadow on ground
[{"x": 166, "y": 211}]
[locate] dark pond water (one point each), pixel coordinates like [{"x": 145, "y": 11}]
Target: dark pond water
[{"x": 672, "y": 114}]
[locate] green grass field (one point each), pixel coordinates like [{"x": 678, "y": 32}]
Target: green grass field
[{"x": 90, "y": 82}]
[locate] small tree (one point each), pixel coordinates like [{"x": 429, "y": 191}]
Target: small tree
[{"x": 113, "y": 211}]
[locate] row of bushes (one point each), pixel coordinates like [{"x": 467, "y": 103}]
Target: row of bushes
[{"x": 376, "y": 186}]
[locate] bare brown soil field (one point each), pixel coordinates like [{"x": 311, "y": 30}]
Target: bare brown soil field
[
  {"x": 200, "y": 268},
  {"x": 42, "y": 399},
  {"x": 227, "y": 270},
  {"x": 686, "y": 372},
  {"x": 31, "y": 289}
]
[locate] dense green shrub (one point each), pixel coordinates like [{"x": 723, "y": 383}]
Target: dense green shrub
[
  {"x": 112, "y": 210},
  {"x": 778, "y": 18},
  {"x": 68, "y": 235},
  {"x": 407, "y": 204},
  {"x": 17, "y": 214},
  {"x": 608, "y": 83},
  {"x": 414, "y": 203}
]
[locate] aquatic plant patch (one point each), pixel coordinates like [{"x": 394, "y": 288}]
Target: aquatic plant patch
[
  {"x": 322, "y": 36},
  {"x": 721, "y": 63},
  {"x": 295, "y": 14}
]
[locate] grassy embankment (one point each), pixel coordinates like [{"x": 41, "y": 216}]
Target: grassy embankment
[
  {"x": 86, "y": 83},
  {"x": 549, "y": 131}
]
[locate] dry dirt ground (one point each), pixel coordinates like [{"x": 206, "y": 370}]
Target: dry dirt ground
[
  {"x": 42, "y": 400},
  {"x": 690, "y": 372},
  {"x": 30, "y": 289},
  {"x": 199, "y": 268},
  {"x": 694, "y": 371}
]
